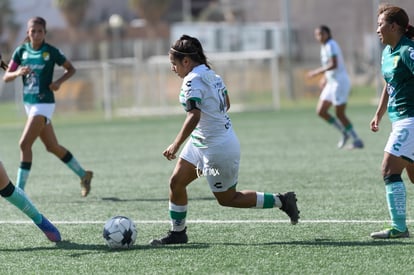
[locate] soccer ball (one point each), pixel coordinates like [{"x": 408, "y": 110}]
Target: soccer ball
[{"x": 120, "y": 232}]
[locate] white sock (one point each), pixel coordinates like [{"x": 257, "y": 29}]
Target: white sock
[{"x": 178, "y": 214}]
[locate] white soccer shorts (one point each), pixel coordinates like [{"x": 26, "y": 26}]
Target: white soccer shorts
[
  {"x": 336, "y": 91},
  {"x": 401, "y": 140},
  {"x": 219, "y": 164}
]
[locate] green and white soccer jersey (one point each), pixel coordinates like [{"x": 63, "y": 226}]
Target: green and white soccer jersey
[
  {"x": 398, "y": 71},
  {"x": 338, "y": 84},
  {"x": 42, "y": 63},
  {"x": 207, "y": 89},
  {"x": 331, "y": 49}
]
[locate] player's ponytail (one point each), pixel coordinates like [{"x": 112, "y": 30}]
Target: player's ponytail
[
  {"x": 394, "y": 14},
  {"x": 409, "y": 32},
  {"x": 191, "y": 47}
]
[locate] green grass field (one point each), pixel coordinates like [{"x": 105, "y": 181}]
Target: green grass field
[{"x": 341, "y": 197}]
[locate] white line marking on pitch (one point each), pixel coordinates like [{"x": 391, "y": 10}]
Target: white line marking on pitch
[{"x": 212, "y": 221}]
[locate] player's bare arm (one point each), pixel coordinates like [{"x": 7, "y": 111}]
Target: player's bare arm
[
  {"x": 69, "y": 72},
  {"x": 382, "y": 108},
  {"x": 191, "y": 121}
]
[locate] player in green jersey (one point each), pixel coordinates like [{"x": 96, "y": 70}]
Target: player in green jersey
[
  {"x": 34, "y": 61},
  {"x": 398, "y": 100}
]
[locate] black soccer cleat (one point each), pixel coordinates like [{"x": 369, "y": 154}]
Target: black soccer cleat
[
  {"x": 173, "y": 237},
  {"x": 289, "y": 206}
]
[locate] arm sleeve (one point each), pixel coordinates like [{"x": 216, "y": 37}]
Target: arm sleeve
[{"x": 191, "y": 104}]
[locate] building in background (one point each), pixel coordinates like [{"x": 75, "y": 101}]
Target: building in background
[
  {"x": 116, "y": 31},
  {"x": 352, "y": 22}
]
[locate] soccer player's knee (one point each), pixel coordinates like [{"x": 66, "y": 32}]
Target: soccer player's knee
[
  {"x": 52, "y": 149},
  {"x": 24, "y": 145},
  {"x": 175, "y": 184},
  {"x": 320, "y": 112}
]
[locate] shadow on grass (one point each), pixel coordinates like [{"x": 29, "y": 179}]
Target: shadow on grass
[
  {"x": 102, "y": 248},
  {"x": 94, "y": 248},
  {"x": 105, "y": 249},
  {"x": 116, "y": 199},
  {"x": 339, "y": 243},
  {"x": 191, "y": 246},
  {"x": 60, "y": 245}
]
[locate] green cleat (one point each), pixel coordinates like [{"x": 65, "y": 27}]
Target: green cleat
[{"x": 390, "y": 233}]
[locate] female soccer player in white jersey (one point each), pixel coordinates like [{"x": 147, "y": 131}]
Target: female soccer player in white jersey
[
  {"x": 212, "y": 148},
  {"x": 335, "y": 85},
  {"x": 398, "y": 99},
  {"x": 34, "y": 62}
]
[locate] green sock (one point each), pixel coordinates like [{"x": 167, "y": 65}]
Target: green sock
[
  {"x": 396, "y": 200},
  {"x": 73, "y": 164},
  {"x": 333, "y": 121},
  {"x": 23, "y": 174},
  {"x": 18, "y": 198},
  {"x": 350, "y": 130},
  {"x": 266, "y": 200}
]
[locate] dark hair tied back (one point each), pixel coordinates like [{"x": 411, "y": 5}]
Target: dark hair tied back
[
  {"x": 325, "y": 29},
  {"x": 191, "y": 47},
  {"x": 409, "y": 32}
]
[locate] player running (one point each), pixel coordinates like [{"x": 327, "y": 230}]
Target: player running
[
  {"x": 212, "y": 149},
  {"x": 398, "y": 99},
  {"x": 335, "y": 86},
  {"x": 18, "y": 198},
  {"x": 34, "y": 61}
]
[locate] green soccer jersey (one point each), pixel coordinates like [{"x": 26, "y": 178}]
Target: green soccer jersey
[
  {"x": 398, "y": 72},
  {"x": 41, "y": 62}
]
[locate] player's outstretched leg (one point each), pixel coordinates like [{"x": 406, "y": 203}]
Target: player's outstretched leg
[
  {"x": 18, "y": 198},
  {"x": 289, "y": 206},
  {"x": 50, "y": 230}
]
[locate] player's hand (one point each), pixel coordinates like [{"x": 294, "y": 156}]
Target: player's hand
[
  {"x": 312, "y": 73},
  {"x": 315, "y": 72},
  {"x": 374, "y": 125},
  {"x": 25, "y": 70},
  {"x": 170, "y": 152},
  {"x": 54, "y": 86}
]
